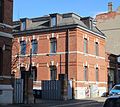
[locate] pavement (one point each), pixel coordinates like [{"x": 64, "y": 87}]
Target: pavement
[{"x": 56, "y": 103}]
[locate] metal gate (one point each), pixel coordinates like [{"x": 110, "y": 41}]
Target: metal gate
[
  {"x": 56, "y": 89},
  {"x": 18, "y": 91},
  {"x": 51, "y": 89}
]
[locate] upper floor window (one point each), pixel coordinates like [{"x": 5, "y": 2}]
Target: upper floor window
[
  {"x": 53, "y": 46},
  {"x": 34, "y": 46},
  {"x": 96, "y": 48},
  {"x": 23, "y": 47},
  {"x": 1, "y": 10},
  {"x": 53, "y": 21},
  {"x": 85, "y": 45},
  {"x": 85, "y": 73},
  {"x": 96, "y": 73},
  {"x": 23, "y": 25}
]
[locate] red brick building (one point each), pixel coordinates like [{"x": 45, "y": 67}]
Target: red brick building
[
  {"x": 62, "y": 44},
  {"x": 6, "y": 14}
]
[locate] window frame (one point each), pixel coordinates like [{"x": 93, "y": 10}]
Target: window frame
[
  {"x": 97, "y": 74},
  {"x": 23, "y": 25},
  {"x": 53, "y": 21},
  {"x": 85, "y": 73},
  {"x": 53, "y": 72},
  {"x": 1, "y": 61},
  {"x": 22, "y": 48},
  {"x": 85, "y": 45},
  {"x": 53, "y": 45},
  {"x": 34, "y": 44},
  {"x": 1, "y": 10},
  {"x": 96, "y": 48},
  {"x": 34, "y": 73}
]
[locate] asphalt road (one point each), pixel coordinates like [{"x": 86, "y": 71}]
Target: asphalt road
[{"x": 95, "y": 102}]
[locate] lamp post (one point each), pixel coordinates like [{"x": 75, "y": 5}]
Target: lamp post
[
  {"x": 29, "y": 83},
  {"x": 30, "y": 66}
]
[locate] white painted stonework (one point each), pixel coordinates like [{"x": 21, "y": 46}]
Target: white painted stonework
[
  {"x": 6, "y": 94},
  {"x": 80, "y": 92}
]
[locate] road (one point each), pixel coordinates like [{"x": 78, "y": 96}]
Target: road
[{"x": 95, "y": 102}]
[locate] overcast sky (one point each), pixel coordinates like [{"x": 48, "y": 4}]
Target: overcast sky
[{"x": 37, "y": 8}]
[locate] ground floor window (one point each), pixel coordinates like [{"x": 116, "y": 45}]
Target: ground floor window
[
  {"x": 53, "y": 73},
  {"x": 34, "y": 73},
  {"x": 97, "y": 74},
  {"x": 85, "y": 73},
  {"x": 1, "y": 61}
]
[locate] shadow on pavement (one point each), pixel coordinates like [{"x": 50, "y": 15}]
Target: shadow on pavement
[{"x": 63, "y": 103}]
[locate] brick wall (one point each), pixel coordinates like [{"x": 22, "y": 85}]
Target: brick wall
[
  {"x": 6, "y": 42},
  {"x": 77, "y": 58}
]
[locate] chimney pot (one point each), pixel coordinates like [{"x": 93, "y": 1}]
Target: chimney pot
[{"x": 110, "y": 7}]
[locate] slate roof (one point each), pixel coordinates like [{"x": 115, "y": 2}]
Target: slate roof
[{"x": 68, "y": 19}]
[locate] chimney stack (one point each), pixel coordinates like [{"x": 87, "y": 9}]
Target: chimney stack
[{"x": 110, "y": 7}]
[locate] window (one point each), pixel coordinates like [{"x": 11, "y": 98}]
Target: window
[
  {"x": 85, "y": 73},
  {"x": 53, "y": 73},
  {"x": 1, "y": 91},
  {"x": 53, "y": 45},
  {"x": 34, "y": 73},
  {"x": 96, "y": 74},
  {"x": 1, "y": 10},
  {"x": 34, "y": 46},
  {"x": 23, "y": 25},
  {"x": 1, "y": 61},
  {"x": 96, "y": 49},
  {"x": 85, "y": 45},
  {"x": 23, "y": 47},
  {"x": 53, "y": 21},
  {"x": 91, "y": 24}
]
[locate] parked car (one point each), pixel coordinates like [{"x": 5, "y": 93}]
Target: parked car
[
  {"x": 115, "y": 90},
  {"x": 37, "y": 93},
  {"x": 112, "y": 101}
]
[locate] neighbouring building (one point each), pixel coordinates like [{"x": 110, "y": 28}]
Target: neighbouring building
[
  {"x": 108, "y": 23},
  {"x": 6, "y": 14},
  {"x": 61, "y": 44}
]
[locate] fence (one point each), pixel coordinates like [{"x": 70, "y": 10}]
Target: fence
[
  {"x": 55, "y": 90},
  {"x": 18, "y": 91}
]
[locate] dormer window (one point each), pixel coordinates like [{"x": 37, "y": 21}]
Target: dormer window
[
  {"x": 91, "y": 24},
  {"x": 53, "y": 21},
  {"x": 23, "y": 25}
]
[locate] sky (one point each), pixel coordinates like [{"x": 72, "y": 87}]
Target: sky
[{"x": 38, "y": 8}]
